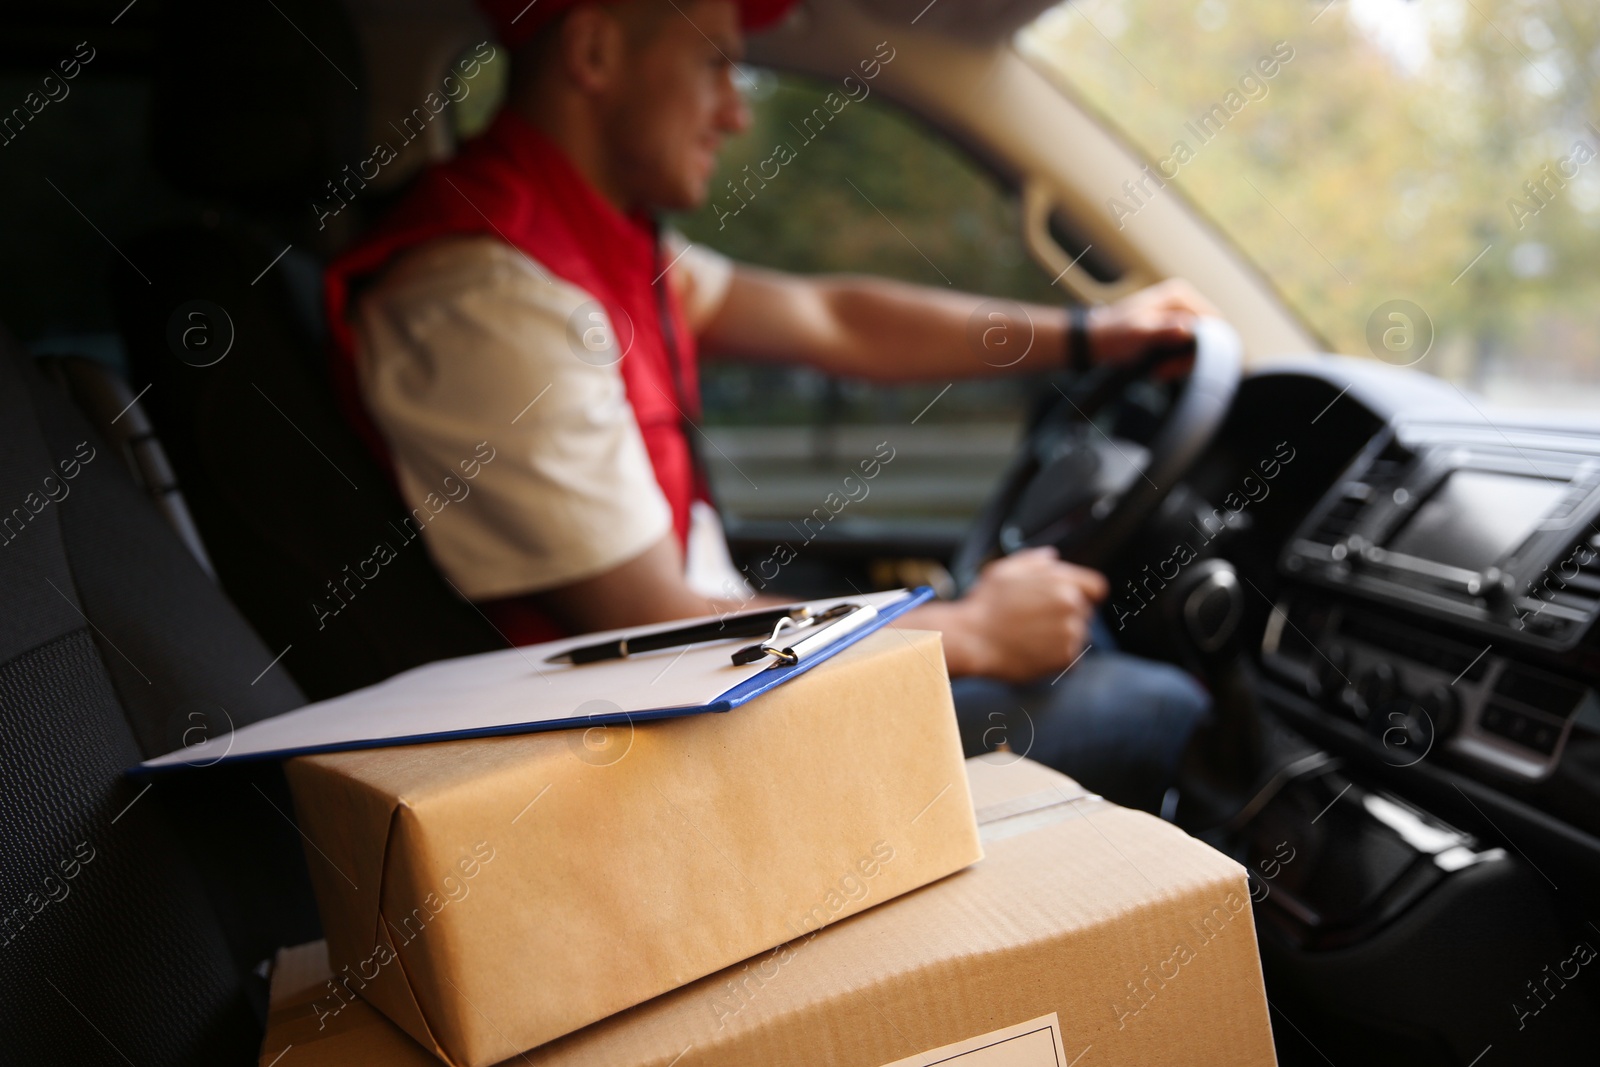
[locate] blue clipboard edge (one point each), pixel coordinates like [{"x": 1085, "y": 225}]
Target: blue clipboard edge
[
  {"x": 753, "y": 687},
  {"x": 740, "y": 694}
]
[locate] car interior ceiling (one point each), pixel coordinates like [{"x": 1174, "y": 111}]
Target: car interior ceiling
[{"x": 206, "y": 469}]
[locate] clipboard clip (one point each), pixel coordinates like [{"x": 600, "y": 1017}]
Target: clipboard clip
[{"x": 817, "y": 632}]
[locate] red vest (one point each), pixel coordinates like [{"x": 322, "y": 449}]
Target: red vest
[{"x": 515, "y": 184}]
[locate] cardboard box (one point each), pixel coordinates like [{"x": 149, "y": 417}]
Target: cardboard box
[
  {"x": 491, "y": 895},
  {"x": 1086, "y": 927}
]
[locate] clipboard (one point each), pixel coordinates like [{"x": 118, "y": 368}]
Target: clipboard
[{"x": 517, "y": 691}]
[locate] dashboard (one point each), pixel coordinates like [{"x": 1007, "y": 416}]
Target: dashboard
[{"x": 1432, "y": 613}]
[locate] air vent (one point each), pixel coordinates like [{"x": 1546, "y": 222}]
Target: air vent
[
  {"x": 1380, "y": 478},
  {"x": 1341, "y": 518},
  {"x": 1386, "y": 471},
  {"x": 1573, "y": 581}
]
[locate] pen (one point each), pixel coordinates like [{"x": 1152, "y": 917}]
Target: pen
[{"x": 749, "y": 624}]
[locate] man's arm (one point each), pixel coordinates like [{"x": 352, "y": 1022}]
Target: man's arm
[
  {"x": 884, "y": 330},
  {"x": 647, "y": 589}
]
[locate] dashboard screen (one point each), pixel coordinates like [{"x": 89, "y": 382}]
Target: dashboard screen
[{"x": 1476, "y": 517}]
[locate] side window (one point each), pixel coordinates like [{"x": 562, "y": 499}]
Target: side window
[{"x": 859, "y": 188}]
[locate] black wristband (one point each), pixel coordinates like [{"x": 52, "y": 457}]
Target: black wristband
[{"x": 1078, "y": 361}]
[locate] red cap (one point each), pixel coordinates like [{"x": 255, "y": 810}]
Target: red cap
[{"x": 515, "y": 21}]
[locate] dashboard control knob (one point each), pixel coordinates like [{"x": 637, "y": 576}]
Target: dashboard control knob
[
  {"x": 1329, "y": 679},
  {"x": 1442, "y": 706},
  {"x": 1378, "y": 685},
  {"x": 1402, "y": 731},
  {"x": 1213, "y": 607},
  {"x": 1497, "y": 589}
]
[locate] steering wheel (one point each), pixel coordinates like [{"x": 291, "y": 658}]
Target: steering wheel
[{"x": 1076, "y": 488}]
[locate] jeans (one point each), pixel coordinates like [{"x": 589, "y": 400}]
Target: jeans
[{"x": 1116, "y": 723}]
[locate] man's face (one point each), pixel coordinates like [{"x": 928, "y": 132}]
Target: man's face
[{"x": 677, "y": 103}]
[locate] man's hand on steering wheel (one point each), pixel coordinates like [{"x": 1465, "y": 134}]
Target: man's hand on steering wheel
[
  {"x": 1081, "y": 492},
  {"x": 1161, "y": 314}
]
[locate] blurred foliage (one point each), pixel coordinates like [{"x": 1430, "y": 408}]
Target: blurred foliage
[
  {"x": 870, "y": 190},
  {"x": 867, "y": 189},
  {"x": 1383, "y": 158}
]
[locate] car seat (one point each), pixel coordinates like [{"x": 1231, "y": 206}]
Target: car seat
[
  {"x": 224, "y": 327},
  {"x": 133, "y": 915}
]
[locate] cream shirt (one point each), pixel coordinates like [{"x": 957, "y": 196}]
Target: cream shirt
[{"x": 468, "y": 340}]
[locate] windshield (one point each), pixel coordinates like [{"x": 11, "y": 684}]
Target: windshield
[{"x": 1418, "y": 179}]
